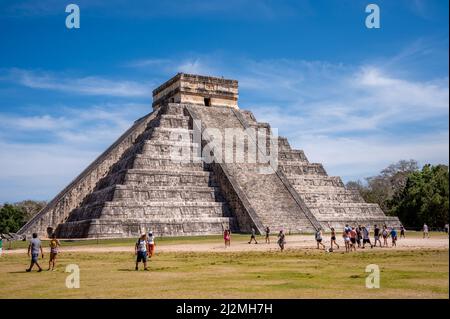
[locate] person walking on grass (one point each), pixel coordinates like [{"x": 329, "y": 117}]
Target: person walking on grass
[
  {"x": 227, "y": 237},
  {"x": 385, "y": 234},
  {"x": 376, "y": 235},
  {"x": 366, "y": 237},
  {"x": 358, "y": 235},
  {"x": 281, "y": 240},
  {"x": 318, "y": 237},
  {"x": 34, "y": 248},
  {"x": 333, "y": 238},
  {"x": 151, "y": 244},
  {"x": 54, "y": 245},
  {"x": 140, "y": 250},
  {"x": 253, "y": 236},
  {"x": 393, "y": 235},
  {"x": 425, "y": 231},
  {"x": 346, "y": 236},
  {"x": 353, "y": 239},
  {"x": 402, "y": 231},
  {"x": 267, "y": 231}
]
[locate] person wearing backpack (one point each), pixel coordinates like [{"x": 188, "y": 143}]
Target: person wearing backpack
[{"x": 140, "y": 250}]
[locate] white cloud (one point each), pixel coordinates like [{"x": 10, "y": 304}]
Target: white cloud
[{"x": 88, "y": 85}]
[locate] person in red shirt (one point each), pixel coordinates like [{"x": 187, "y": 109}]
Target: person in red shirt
[{"x": 227, "y": 237}]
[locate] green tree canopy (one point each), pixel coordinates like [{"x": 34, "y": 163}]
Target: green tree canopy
[
  {"x": 11, "y": 218},
  {"x": 425, "y": 197}
]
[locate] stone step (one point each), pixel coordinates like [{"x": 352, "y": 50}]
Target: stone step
[
  {"x": 349, "y": 210},
  {"x": 306, "y": 189},
  {"x": 304, "y": 169},
  {"x": 168, "y": 178},
  {"x": 155, "y": 193},
  {"x": 283, "y": 144},
  {"x": 172, "y": 134},
  {"x": 315, "y": 180},
  {"x": 171, "y": 148},
  {"x": 150, "y": 209},
  {"x": 175, "y": 193},
  {"x": 292, "y": 155},
  {"x": 169, "y": 163},
  {"x": 173, "y": 109},
  {"x": 331, "y": 198},
  {"x": 173, "y": 121}
]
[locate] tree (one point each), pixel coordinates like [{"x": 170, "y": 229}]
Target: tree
[
  {"x": 11, "y": 218},
  {"x": 425, "y": 198},
  {"x": 30, "y": 207},
  {"x": 380, "y": 189}
]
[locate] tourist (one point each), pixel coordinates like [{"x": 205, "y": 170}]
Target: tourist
[
  {"x": 54, "y": 245},
  {"x": 353, "y": 239},
  {"x": 446, "y": 229},
  {"x": 151, "y": 244},
  {"x": 333, "y": 238},
  {"x": 385, "y": 234},
  {"x": 1, "y": 245},
  {"x": 140, "y": 251},
  {"x": 402, "y": 231},
  {"x": 319, "y": 238},
  {"x": 425, "y": 231},
  {"x": 33, "y": 251},
  {"x": 227, "y": 237},
  {"x": 376, "y": 235},
  {"x": 346, "y": 236},
  {"x": 358, "y": 235},
  {"x": 281, "y": 240},
  {"x": 267, "y": 231},
  {"x": 253, "y": 236},
  {"x": 366, "y": 237},
  {"x": 393, "y": 235}
]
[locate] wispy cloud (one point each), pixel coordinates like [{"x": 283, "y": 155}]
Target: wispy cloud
[{"x": 86, "y": 85}]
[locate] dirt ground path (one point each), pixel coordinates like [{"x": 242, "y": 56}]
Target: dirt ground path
[{"x": 292, "y": 242}]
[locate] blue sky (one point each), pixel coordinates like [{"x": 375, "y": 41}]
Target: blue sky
[{"x": 355, "y": 99}]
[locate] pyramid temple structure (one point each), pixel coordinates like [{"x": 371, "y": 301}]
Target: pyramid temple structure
[{"x": 175, "y": 172}]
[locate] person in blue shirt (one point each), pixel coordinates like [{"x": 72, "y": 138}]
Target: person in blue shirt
[{"x": 393, "y": 235}]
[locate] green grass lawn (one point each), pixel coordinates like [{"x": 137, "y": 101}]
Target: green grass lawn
[{"x": 292, "y": 274}]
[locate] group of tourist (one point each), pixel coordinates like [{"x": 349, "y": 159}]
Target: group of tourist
[
  {"x": 35, "y": 249},
  {"x": 359, "y": 236}
]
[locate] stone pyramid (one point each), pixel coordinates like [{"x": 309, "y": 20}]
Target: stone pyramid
[{"x": 156, "y": 176}]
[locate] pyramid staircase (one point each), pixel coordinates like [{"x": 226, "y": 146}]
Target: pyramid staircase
[{"x": 148, "y": 189}]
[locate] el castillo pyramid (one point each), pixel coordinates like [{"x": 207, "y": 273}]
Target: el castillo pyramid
[{"x": 168, "y": 173}]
